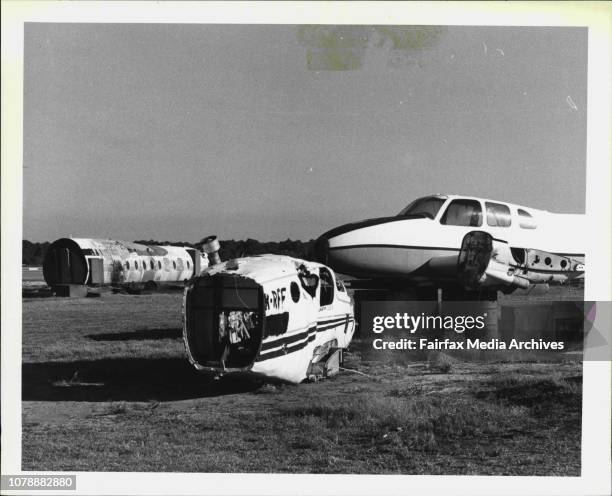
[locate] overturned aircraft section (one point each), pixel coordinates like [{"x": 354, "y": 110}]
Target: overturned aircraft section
[
  {"x": 268, "y": 315},
  {"x": 98, "y": 262}
]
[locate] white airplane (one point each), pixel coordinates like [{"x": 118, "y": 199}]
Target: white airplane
[
  {"x": 460, "y": 241},
  {"x": 269, "y": 315},
  {"x": 99, "y": 262}
]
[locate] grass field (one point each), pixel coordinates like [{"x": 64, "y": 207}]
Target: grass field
[{"x": 106, "y": 387}]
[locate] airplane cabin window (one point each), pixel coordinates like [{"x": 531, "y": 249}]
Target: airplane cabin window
[
  {"x": 159, "y": 265},
  {"x": 498, "y": 215},
  {"x": 526, "y": 221},
  {"x": 327, "y": 287},
  {"x": 428, "y": 206},
  {"x": 136, "y": 265},
  {"x": 188, "y": 266},
  {"x": 463, "y": 213},
  {"x": 174, "y": 264},
  {"x": 127, "y": 265},
  {"x": 152, "y": 266}
]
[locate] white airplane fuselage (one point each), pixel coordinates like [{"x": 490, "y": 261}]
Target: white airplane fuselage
[
  {"x": 271, "y": 316},
  {"x": 405, "y": 245},
  {"x": 99, "y": 262}
]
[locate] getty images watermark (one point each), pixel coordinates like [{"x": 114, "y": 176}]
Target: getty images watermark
[{"x": 579, "y": 329}]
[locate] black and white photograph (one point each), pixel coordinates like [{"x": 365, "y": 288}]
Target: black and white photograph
[{"x": 294, "y": 251}]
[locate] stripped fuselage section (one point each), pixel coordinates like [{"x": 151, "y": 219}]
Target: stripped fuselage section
[
  {"x": 267, "y": 315},
  {"x": 87, "y": 261}
]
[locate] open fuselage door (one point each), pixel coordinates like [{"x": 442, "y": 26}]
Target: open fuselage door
[{"x": 96, "y": 271}]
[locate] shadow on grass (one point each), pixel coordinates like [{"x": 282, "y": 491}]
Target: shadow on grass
[
  {"x": 135, "y": 379},
  {"x": 138, "y": 335}
]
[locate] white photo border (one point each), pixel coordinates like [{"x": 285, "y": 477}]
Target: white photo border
[{"x": 596, "y": 16}]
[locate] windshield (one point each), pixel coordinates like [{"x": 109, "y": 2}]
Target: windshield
[{"x": 428, "y": 206}]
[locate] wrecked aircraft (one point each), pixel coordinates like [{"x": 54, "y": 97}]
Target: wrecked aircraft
[
  {"x": 267, "y": 315},
  {"x": 459, "y": 242},
  {"x": 99, "y": 262}
]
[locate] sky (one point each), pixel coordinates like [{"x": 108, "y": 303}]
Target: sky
[{"x": 175, "y": 132}]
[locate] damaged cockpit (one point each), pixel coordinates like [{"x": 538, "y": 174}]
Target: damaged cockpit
[
  {"x": 269, "y": 315},
  {"x": 225, "y": 317}
]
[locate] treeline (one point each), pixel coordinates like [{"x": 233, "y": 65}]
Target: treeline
[
  {"x": 34, "y": 253},
  {"x": 231, "y": 248}
]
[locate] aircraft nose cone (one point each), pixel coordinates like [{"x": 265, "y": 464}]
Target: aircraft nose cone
[{"x": 321, "y": 249}]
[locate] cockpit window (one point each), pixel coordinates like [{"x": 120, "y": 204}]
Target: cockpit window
[
  {"x": 498, "y": 215},
  {"x": 463, "y": 213},
  {"x": 327, "y": 287},
  {"x": 428, "y": 206}
]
